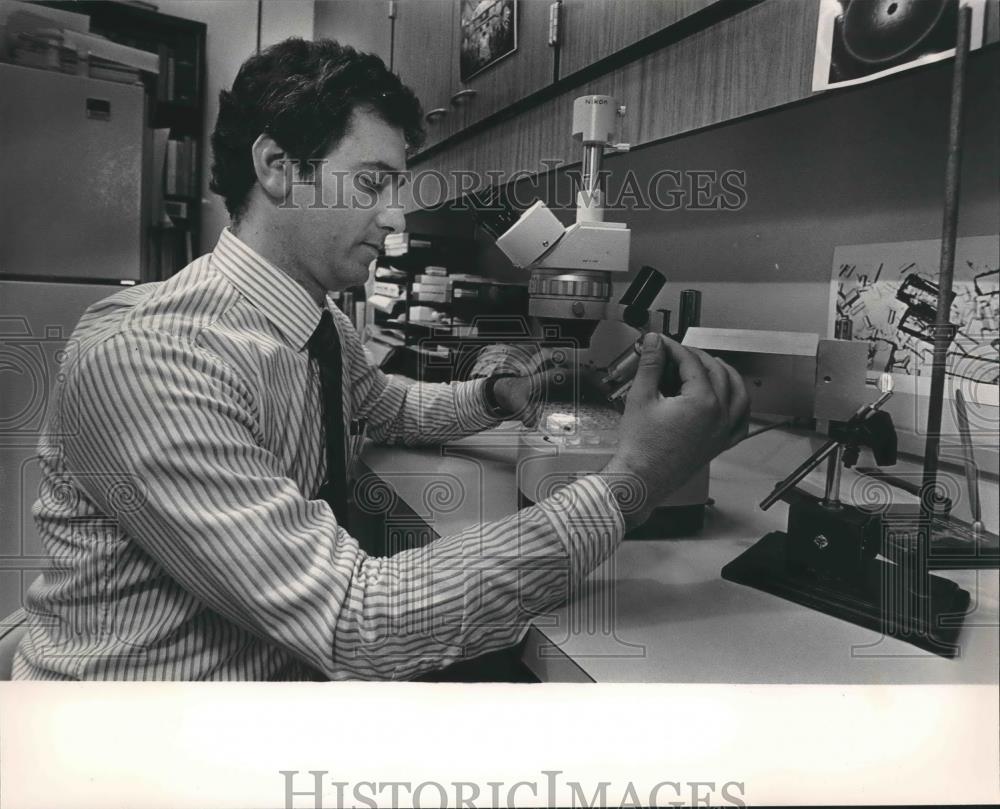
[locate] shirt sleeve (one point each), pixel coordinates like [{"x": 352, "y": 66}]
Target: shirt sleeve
[
  {"x": 405, "y": 412},
  {"x": 216, "y": 511}
]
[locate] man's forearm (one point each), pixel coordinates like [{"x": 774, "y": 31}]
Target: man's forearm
[{"x": 430, "y": 413}]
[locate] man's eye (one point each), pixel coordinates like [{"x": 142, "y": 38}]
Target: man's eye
[{"x": 371, "y": 182}]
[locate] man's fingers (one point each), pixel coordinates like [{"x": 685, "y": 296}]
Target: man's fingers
[
  {"x": 717, "y": 376},
  {"x": 692, "y": 373},
  {"x": 646, "y": 382},
  {"x": 739, "y": 404}
]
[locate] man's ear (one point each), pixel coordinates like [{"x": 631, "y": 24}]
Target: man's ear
[{"x": 274, "y": 169}]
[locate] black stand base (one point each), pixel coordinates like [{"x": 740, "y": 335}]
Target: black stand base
[{"x": 924, "y": 610}]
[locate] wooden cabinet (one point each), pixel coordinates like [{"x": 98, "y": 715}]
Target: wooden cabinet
[
  {"x": 362, "y": 24},
  {"x": 527, "y": 70},
  {"x": 425, "y": 55},
  {"x": 731, "y": 61},
  {"x": 752, "y": 61},
  {"x": 594, "y": 29}
]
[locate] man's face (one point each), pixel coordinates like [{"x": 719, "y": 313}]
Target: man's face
[{"x": 341, "y": 220}]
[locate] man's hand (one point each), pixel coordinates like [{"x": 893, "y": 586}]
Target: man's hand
[
  {"x": 523, "y": 396},
  {"x": 662, "y": 441}
]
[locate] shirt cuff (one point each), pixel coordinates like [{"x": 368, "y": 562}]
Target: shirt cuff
[
  {"x": 586, "y": 517},
  {"x": 470, "y": 402}
]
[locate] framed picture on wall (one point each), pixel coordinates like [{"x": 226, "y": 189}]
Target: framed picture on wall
[
  {"x": 862, "y": 40},
  {"x": 489, "y": 33}
]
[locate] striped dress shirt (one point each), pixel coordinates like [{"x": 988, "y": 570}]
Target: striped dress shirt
[{"x": 181, "y": 460}]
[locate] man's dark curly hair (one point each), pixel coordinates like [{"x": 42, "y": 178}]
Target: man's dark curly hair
[{"x": 302, "y": 94}]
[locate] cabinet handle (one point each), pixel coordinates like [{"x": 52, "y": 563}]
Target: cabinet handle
[
  {"x": 433, "y": 115},
  {"x": 462, "y": 96}
]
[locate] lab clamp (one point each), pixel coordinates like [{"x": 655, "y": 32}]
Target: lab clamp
[
  {"x": 870, "y": 564},
  {"x": 866, "y": 563}
]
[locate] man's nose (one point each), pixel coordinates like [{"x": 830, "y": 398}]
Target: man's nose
[{"x": 391, "y": 218}]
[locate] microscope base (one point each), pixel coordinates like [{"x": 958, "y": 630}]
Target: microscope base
[{"x": 879, "y": 599}]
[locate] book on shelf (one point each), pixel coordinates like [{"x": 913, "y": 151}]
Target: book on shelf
[
  {"x": 181, "y": 170},
  {"x": 178, "y": 79}
]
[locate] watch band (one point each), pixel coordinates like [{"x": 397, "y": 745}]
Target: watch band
[{"x": 494, "y": 407}]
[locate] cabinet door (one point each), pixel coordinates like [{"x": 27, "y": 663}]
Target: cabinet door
[
  {"x": 594, "y": 29},
  {"x": 362, "y": 24},
  {"x": 425, "y": 55},
  {"x": 526, "y": 70}
]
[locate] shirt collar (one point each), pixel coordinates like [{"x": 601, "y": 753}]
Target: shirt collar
[{"x": 280, "y": 298}]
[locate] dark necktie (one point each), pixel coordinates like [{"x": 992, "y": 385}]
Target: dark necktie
[{"x": 324, "y": 347}]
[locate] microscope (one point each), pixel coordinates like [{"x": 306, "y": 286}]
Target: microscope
[{"x": 570, "y": 293}]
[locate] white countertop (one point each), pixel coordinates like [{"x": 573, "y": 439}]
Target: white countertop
[{"x": 659, "y": 610}]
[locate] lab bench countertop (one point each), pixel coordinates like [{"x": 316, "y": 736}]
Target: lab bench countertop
[{"x": 660, "y": 611}]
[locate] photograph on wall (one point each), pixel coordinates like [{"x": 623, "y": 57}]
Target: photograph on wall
[
  {"x": 489, "y": 33},
  {"x": 861, "y": 40},
  {"x": 888, "y": 293}
]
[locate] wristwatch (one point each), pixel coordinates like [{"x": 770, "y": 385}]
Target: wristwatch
[{"x": 493, "y": 407}]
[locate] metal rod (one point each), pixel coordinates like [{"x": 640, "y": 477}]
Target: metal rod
[
  {"x": 969, "y": 456},
  {"x": 863, "y": 411},
  {"x": 942, "y": 324},
  {"x": 817, "y": 457},
  {"x": 831, "y": 497},
  {"x": 592, "y": 158},
  {"x": 590, "y": 199},
  {"x": 804, "y": 469}
]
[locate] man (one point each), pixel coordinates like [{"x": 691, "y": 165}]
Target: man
[{"x": 192, "y": 491}]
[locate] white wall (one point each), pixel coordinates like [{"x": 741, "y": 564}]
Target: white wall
[{"x": 232, "y": 37}]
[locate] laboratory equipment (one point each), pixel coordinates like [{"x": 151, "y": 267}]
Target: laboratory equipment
[
  {"x": 870, "y": 564},
  {"x": 572, "y": 268}
]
